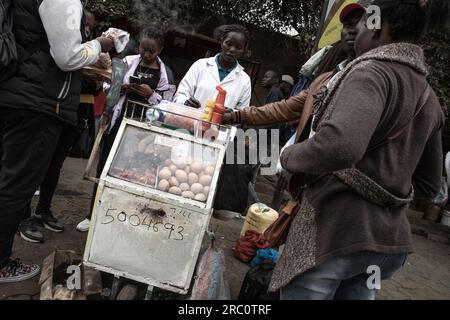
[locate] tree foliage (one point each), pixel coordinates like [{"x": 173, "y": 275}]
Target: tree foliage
[
  {"x": 437, "y": 52},
  {"x": 138, "y": 13},
  {"x": 302, "y": 16},
  {"x": 278, "y": 15},
  {"x": 108, "y": 12}
]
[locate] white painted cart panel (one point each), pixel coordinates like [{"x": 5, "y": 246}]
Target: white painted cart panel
[
  {"x": 137, "y": 243},
  {"x": 142, "y": 233}
]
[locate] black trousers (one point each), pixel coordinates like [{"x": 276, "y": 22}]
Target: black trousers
[
  {"x": 69, "y": 135},
  {"x": 48, "y": 186},
  {"x": 28, "y": 141}
]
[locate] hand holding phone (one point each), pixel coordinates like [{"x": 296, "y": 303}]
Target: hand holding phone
[{"x": 143, "y": 90}]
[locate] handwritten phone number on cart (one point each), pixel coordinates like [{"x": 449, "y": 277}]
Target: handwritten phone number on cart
[{"x": 174, "y": 232}]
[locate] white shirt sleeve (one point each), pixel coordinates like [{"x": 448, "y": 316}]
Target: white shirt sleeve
[
  {"x": 62, "y": 22},
  {"x": 188, "y": 84}
]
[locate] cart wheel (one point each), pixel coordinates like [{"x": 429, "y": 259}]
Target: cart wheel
[{"x": 128, "y": 292}]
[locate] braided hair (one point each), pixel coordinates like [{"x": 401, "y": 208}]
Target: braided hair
[
  {"x": 153, "y": 33},
  {"x": 410, "y": 19}
]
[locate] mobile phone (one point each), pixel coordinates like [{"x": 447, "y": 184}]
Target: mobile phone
[{"x": 135, "y": 80}]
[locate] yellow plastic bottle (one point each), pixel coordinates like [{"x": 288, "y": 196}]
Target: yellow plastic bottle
[
  {"x": 207, "y": 114},
  {"x": 259, "y": 218},
  {"x": 209, "y": 109}
]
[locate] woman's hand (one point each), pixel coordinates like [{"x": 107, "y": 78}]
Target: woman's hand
[
  {"x": 192, "y": 102},
  {"x": 126, "y": 88},
  {"x": 143, "y": 90},
  {"x": 104, "y": 120},
  {"x": 106, "y": 43},
  {"x": 227, "y": 118}
]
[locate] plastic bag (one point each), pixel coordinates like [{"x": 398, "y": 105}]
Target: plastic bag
[
  {"x": 119, "y": 36},
  {"x": 256, "y": 283},
  {"x": 447, "y": 167},
  {"x": 210, "y": 283},
  {"x": 442, "y": 197}
]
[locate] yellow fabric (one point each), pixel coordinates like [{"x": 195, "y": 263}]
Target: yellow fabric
[
  {"x": 332, "y": 31},
  {"x": 87, "y": 98}
]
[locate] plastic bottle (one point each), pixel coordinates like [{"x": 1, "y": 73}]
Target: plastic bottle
[
  {"x": 155, "y": 114},
  {"x": 209, "y": 109},
  {"x": 219, "y": 106},
  {"x": 259, "y": 217},
  {"x": 207, "y": 114}
]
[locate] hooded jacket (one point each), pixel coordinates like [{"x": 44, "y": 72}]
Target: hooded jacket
[
  {"x": 51, "y": 54},
  {"x": 370, "y": 99}
]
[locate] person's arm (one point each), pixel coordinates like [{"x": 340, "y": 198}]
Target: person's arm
[
  {"x": 169, "y": 94},
  {"x": 62, "y": 22},
  {"x": 186, "y": 88},
  {"x": 289, "y": 110},
  {"x": 342, "y": 140},
  {"x": 277, "y": 112},
  {"x": 157, "y": 97},
  {"x": 166, "y": 95}
]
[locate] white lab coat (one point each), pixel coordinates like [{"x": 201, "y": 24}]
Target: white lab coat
[{"x": 202, "y": 78}]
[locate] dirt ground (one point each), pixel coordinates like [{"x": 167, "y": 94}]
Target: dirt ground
[{"x": 426, "y": 274}]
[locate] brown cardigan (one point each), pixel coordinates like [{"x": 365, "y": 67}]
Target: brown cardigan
[
  {"x": 373, "y": 96},
  {"x": 294, "y": 108}
]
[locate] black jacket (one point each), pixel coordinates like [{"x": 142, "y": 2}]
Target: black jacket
[{"x": 39, "y": 84}]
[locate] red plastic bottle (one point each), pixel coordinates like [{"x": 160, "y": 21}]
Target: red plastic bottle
[{"x": 219, "y": 106}]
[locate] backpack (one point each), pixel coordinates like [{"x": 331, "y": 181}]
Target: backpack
[{"x": 8, "y": 50}]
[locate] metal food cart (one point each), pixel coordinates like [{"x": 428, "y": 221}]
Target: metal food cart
[{"x": 155, "y": 196}]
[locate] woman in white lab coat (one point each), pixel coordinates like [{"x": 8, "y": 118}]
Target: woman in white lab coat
[{"x": 199, "y": 83}]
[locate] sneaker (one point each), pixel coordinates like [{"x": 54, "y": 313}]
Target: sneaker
[
  {"x": 49, "y": 222},
  {"x": 83, "y": 226},
  {"x": 29, "y": 232},
  {"x": 16, "y": 271}
]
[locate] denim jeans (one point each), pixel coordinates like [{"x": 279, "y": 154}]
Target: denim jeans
[{"x": 343, "y": 278}]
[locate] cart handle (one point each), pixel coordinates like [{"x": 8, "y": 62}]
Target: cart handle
[{"x": 95, "y": 150}]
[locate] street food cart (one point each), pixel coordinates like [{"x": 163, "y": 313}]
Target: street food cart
[{"x": 155, "y": 196}]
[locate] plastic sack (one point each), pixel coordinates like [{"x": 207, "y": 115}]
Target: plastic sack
[
  {"x": 264, "y": 255},
  {"x": 119, "y": 37},
  {"x": 210, "y": 282},
  {"x": 447, "y": 167},
  {"x": 442, "y": 197}
]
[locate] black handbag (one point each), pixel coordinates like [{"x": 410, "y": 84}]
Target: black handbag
[
  {"x": 82, "y": 146},
  {"x": 256, "y": 283}
]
